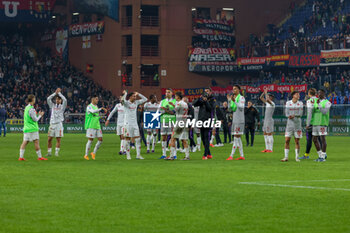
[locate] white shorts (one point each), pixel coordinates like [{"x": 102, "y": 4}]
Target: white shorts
[
  {"x": 94, "y": 133},
  {"x": 31, "y": 136},
  {"x": 180, "y": 133},
  {"x": 298, "y": 133},
  {"x": 131, "y": 131},
  {"x": 120, "y": 130},
  {"x": 268, "y": 126},
  {"x": 152, "y": 131},
  {"x": 238, "y": 129},
  {"x": 166, "y": 131},
  {"x": 319, "y": 130},
  {"x": 56, "y": 130}
]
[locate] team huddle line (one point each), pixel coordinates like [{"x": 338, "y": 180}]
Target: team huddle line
[{"x": 175, "y": 114}]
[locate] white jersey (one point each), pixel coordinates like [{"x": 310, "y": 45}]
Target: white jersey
[
  {"x": 130, "y": 110},
  {"x": 296, "y": 110},
  {"x": 309, "y": 109},
  {"x": 57, "y": 110},
  {"x": 238, "y": 115},
  {"x": 269, "y": 110},
  {"x": 181, "y": 110},
  {"x": 149, "y": 107},
  {"x": 120, "y": 109}
]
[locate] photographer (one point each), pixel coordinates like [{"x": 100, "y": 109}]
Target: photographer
[{"x": 206, "y": 104}]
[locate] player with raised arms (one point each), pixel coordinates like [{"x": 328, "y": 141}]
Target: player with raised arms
[
  {"x": 131, "y": 128},
  {"x": 269, "y": 123},
  {"x": 56, "y": 120}
]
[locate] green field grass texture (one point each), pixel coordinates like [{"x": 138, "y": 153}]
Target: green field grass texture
[{"x": 112, "y": 194}]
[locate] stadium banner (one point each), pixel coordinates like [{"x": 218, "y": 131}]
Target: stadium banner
[
  {"x": 211, "y": 60},
  {"x": 304, "y": 60},
  {"x": 217, "y": 38},
  {"x": 26, "y": 11},
  {"x": 85, "y": 29},
  {"x": 212, "y": 67},
  {"x": 340, "y": 126},
  {"x": 277, "y": 60},
  {"x": 104, "y": 7},
  {"x": 200, "y": 31},
  {"x": 211, "y": 55},
  {"x": 254, "y": 90},
  {"x": 221, "y": 25},
  {"x": 68, "y": 128},
  {"x": 61, "y": 43},
  {"x": 190, "y": 93},
  {"x": 335, "y": 57}
]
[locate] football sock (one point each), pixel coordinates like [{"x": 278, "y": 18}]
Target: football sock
[
  {"x": 21, "y": 153},
  {"x": 138, "y": 146},
  {"x": 286, "y": 152},
  {"x": 296, "y": 153},
  {"x": 38, "y": 152},
  {"x": 97, "y": 146},
  {"x": 164, "y": 148},
  {"x": 148, "y": 141},
  {"x": 187, "y": 152},
  {"x": 240, "y": 147},
  {"x": 87, "y": 147}
]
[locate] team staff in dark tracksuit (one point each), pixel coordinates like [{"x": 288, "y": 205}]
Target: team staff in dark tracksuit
[
  {"x": 206, "y": 104},
  {"x": 250, "y": 113}
]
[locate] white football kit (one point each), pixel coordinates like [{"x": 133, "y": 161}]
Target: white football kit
[
  {"x": 131, "y": 128},
  {"x": 181, "y": 110},
  {"x": 120, "y": 120},
  {"x": 269, "y": 123},
  {"x": 57, "y": 115},
  {"x": 294, "y": 125}
]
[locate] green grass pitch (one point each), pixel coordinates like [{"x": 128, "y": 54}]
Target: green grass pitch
[{"x": 111, "y": 194}]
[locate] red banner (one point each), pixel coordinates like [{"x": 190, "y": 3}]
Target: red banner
[
  {"x": 304, "y": 60},
  {"x": 211, "y": 32},
  {"x": 26, "y": 11},
  {"x": 261, "y": 88},
  {"x": 251, "y": 61}
]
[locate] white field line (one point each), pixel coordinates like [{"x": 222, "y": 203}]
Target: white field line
[
  {"x": 293, "y": 186},
  {"x": 303, "y": 181}
]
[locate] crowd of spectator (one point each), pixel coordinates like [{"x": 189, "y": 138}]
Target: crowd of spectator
[
  {"x": 304, "y": 39},
  {"x": 24, "y": 70},
  {"x": 336, "y": 81}
]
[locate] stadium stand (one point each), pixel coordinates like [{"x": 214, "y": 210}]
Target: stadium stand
[{"x": 24, "y": 70}]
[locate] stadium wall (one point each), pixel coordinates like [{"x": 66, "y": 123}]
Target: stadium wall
[{"x": 175, "y": 35}]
